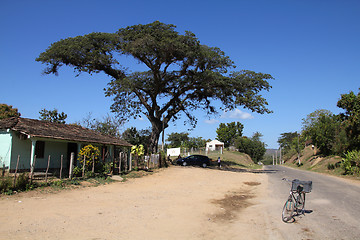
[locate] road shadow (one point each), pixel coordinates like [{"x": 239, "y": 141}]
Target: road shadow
[
  {"x": 299, "y": 215},
  {"x": 233, "y": 169}
]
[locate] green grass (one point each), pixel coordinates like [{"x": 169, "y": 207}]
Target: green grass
[{"x": 233, "y": 159}]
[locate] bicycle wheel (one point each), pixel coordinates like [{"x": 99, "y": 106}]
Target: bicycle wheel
[
  {"x": 300, "y": 202},
  {"x": 288, "y": 210}
]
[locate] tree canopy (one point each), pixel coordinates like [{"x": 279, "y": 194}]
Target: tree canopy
[
  {"x": 251, "y": 146},
  {"x": 7, "y": 111},
  {"x": 108, "y": 125},
  {"x": 351, "y": 117},
  {"x": 177, "y": 139},
  {"x": 52, "y": 116},
  {"x": 228, "y": 132},
  {"x": 182, "y": 75},
  {"x": 137, "y": 137}
]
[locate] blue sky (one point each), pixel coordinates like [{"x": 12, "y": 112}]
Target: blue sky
[{"x": 310, "y": 47}]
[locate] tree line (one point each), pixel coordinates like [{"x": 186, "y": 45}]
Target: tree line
[
  {"x": 231, "y": 134},
  {"x": 332, "y": 134}
]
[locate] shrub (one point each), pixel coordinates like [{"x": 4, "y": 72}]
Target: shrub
[
  {"x": 351, "y": 162},
  {"x": 108, "y": 167},
  {"x": 77, "y": 171},
  {"x": 89, "y": 152},
  {"x": 330, "y": 166},
  {"x": 22, "y": 182},
  {"x": 89, "y": 174},
  {"x": 5, "y": 184}
]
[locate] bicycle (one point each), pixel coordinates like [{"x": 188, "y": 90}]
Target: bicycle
[{"x": 296, "y": 199}]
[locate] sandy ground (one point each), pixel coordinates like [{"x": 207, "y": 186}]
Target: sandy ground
[{"x": 175, "y": 203}]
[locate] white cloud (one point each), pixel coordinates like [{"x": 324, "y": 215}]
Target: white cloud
[
  {"x": 211, "y": 121},
  {"x": 236, "y": 114}
]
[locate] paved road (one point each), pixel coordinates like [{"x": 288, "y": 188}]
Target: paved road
[{"x": 333, "y": 206}]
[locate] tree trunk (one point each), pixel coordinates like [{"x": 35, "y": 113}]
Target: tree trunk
[{"x": 155, "y": 135}]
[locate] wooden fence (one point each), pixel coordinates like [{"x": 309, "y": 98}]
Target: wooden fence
[{"x": 119, "y": 165}]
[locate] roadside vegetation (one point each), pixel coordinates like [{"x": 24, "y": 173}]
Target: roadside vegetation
[{"x": 327, "y": 143}]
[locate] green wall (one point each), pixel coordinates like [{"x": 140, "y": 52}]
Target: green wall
[{"x": 22, "y": 148}]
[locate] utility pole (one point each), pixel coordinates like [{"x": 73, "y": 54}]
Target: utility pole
[
  {"x": 281, "y": 162},
  {"x": 299, "y": 149}
]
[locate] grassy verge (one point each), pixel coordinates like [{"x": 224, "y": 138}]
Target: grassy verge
[
  {"x": 234, "y": 159},
  {"x": 327, "y": 165},
  {"x": 54, "y": 184}
]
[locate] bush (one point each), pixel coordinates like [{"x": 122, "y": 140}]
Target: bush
[
  {"x": 5, "y": 184},
  {"x": 77, "y": 172},
  {"x": 330, "y": 166},
  {"x": 254, "y": 148},
  {"x": 89, "y": 174},
  {"x": 90, "y": 152},
  {"x": 22, "y": 182},
  {"x": 351, "y": 162}
]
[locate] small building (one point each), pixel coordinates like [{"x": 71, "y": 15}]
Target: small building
[
  {"x": 214, "y": 145},
  {"x": 29, "y": 137}
]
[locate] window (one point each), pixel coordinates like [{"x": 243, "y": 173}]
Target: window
[{"x": 39, "y": 149}]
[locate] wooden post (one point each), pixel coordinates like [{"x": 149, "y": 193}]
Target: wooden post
[
  {"x": 126, "y": 165},
  {"x": 120, "y": 160},
  {"x": 83, "y": 170},
  {"x": 61, "y": 165},
  {"x": 32, "y": 169},
  {"x": 17, "y": 165},
  {"x": 47, "y": 169},
  {"x": 3, "y": 170},
  {"x": 93, "y": 164},
  {"x": 129, "y": 161},
  {"x": 113, "y": 165},
  {"x": 71, "y": 165}
]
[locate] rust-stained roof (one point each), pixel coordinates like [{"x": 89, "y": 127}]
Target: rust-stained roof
[{"x": 59, "y": 131}]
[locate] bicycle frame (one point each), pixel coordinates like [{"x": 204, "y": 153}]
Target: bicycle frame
[{"x": 295, "y": 202}]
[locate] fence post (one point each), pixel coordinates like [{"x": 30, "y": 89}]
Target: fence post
[
  {"x": 71, "y": 165},
  {"x": 130, "y": 162},
  {"x": 47, "y": 169},
  {"x": 120, "y": 153},
  {"x": 3, "y": 170},
  {"x": 93, "y": 164},
  {"x": 61, "y": 165},
  {"x": 17, "y": 165},
  {"x": 32, "y": 170},
  {"x": 83, "y": 170}
]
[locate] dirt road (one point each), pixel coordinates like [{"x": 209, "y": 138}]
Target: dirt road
[{"x": 176, "y": 203}]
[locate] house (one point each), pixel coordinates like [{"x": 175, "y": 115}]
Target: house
[
  {"x": 214, "y": 145},
  {"x": 29, "y": 137}
]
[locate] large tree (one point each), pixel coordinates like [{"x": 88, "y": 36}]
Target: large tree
[
  {"x": 322, "y": 127},
  {"x": 182, "y": 75},
  {"x": 228, "y": 132},
  {"x": 52, "y": 116},
  {"x": 7, "y": 111},
  {"x": 137, "y": 137},
  {"x": 251, "y": 146},
  {"x": 286, "y": 141},
  {"x": 178, "y": 139},
  {"x": 109, "y": 125},
  {"x": 351, "y": 117}
]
